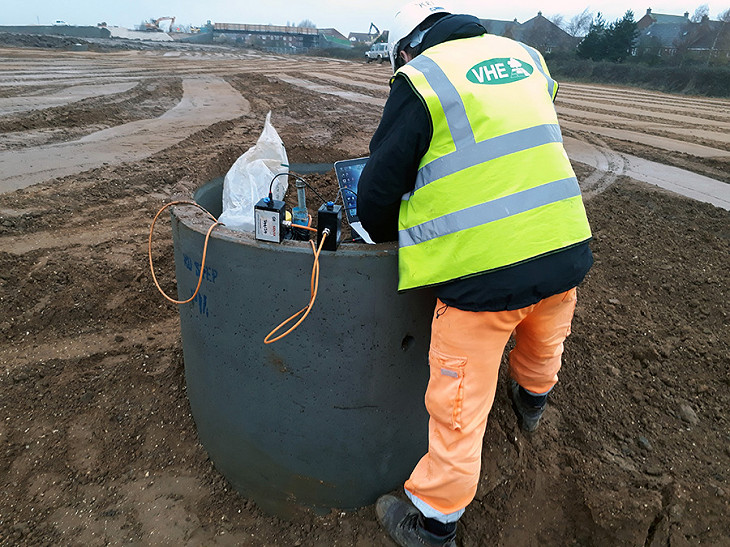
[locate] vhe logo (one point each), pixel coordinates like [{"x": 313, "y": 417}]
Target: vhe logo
[
  {"x": 499, "y": 71},
  {"x": 430, "y": 5}
]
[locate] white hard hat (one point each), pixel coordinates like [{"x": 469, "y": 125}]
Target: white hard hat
[{"x": 407, "y": 19}]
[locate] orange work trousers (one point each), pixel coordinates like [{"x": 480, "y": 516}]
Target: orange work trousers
[{"x": 464, "y": 358}]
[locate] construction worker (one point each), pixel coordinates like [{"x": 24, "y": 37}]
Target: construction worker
[{"x": 467, "y": 171}]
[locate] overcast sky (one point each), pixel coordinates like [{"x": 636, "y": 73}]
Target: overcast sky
[{"x": 345, "y": 16}]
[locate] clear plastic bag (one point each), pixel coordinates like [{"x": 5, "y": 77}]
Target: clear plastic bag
[{"x": 248, "y": 179}]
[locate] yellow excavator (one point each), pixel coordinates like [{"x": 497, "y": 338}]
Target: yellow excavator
[
  {"x": 154, "y": 24},
  {"x": 374, "y": 36}
]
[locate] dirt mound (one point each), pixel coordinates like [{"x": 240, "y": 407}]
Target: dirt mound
[
  {"x": 101, "y": 45},
  {"x": 98, "y": 445},
  {"x": 13, "y": 39}
]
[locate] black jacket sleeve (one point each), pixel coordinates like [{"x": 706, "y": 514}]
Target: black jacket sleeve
[{"x": 396, "y": 148}]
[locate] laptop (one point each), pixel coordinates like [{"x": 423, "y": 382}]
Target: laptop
[{"x": 348, "y": 174}]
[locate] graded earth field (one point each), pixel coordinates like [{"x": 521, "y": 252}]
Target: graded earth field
[{"x": 97, "y": 444}]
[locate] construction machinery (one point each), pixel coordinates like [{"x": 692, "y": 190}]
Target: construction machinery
[
  {"x": 375, "y": 36},
  {"x": 154, "y": 24}
]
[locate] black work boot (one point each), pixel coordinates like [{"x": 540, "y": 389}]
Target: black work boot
[
  {"x": 404, "y": 523},
  {"x": 529, "y": 408}
]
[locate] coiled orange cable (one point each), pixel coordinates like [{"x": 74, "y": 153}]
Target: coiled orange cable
[
  {"x": 313, "y": 283},
  {"x": 205, "y": 250}
]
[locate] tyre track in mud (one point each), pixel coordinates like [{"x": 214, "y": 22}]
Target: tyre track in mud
[
  {"x": 582, "y": 103},
  {"x": 643, "y": 114},
  {"x": 671, "y": 137},
  {"x": 649, "y": 139},
  {"x": 13, "y": 105},
  {"x": 100, "y": 447},
  {"x": 656, "y": 99},
  {"x": 610, "y": 165},
  {"x": 205, "y": 101},
  {"x": 77, "y": 118}
]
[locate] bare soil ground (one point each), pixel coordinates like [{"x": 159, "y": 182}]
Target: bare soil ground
[{"x": 97, "y": 444}]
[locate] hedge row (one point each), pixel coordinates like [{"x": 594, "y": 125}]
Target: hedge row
[
  {"x": 691, "y": 79},
  {"x": 356, "y": 53}
]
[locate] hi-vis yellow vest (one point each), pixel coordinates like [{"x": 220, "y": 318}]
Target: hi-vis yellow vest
[{"x": 495, "y": 187}]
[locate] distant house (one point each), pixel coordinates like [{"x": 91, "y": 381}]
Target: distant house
[
  {"x": 360, "y": 37},
  {"x": 539, "y": 32},
  {"x": 660, "y": 34},
  {"x": 544, "y": 35},
  {"x": 500, "y": 28},
  {"x": 667, "y": 35},
  {"x": 661, "y": 19},
  {"x": 709, "y": 37}
]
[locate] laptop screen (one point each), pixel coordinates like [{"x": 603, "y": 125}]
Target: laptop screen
[{"x": 348, "y": 174}]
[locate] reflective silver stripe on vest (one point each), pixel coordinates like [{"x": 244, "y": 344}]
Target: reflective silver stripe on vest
[
  {"x": 490, "y": 211},
  {"x": 453, "y": 106},
  {"x": 536, "y": 57},
  {"x": 485, "y": 151}
]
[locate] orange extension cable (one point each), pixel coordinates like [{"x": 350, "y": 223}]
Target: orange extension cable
[
  {"x": 313, "y": 286},
  {"x": 205, "y": 249}
]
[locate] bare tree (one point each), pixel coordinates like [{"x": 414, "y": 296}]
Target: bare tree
[
  {"x": 725, "y": 18},
  {"x": 579, "y": 24},
  {"x": 307, "y": 23},
  {"x": 700, "y": 13},
  {"x": 558, "y": 20}
]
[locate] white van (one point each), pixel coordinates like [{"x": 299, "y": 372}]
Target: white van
[{"x": 377, "y": 51}]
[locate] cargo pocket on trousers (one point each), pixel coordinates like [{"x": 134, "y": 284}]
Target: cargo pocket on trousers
[{"x": 445, "y": 392}]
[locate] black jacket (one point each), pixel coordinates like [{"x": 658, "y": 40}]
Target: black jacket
[{"x": 400, "y": 141}]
